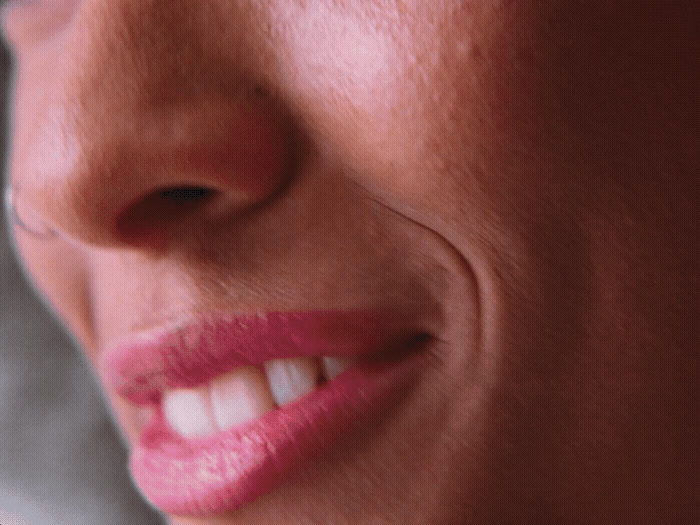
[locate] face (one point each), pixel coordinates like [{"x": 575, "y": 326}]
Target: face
[{"x": 483, "y": 212}]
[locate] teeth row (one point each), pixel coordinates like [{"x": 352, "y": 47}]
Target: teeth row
[{"x": 246, "y": 393}]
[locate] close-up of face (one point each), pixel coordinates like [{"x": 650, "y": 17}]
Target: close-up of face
[{"x": 372, "y": 261}]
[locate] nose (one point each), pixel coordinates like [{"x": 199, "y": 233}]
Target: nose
[{"x": 134, "y": 124}]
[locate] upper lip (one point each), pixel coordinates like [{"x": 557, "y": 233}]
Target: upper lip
[{"x": 143, "y": 366}]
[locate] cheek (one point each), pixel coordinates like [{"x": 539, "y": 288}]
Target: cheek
[
  {"x": 59, "y": 272},
  {"x": 375, "y": 95},
  {"x": 422, "y": 109}
]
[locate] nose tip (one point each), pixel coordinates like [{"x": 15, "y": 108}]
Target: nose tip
[
  {"x": 203, "y": 165},
  {"x": 207, "y": 174},
  {"x": 137, "y": 126}
]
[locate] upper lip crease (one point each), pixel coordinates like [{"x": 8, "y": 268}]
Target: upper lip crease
[{"x": 141, "y": 367}]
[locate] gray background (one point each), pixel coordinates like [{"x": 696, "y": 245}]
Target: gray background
[{"x": 60, "y": 459}]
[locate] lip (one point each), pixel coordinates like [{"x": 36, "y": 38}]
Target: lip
[{"x": 205, "y": 475}]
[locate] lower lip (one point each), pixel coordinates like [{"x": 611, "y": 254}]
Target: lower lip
[{"x": 200, "y": 476}]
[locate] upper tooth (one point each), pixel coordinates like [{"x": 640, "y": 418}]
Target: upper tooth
[
  {"x": 332, "y": 366},
  {"x": 291, "y": 378},
  {"x": 188, "y": 411},
  {"x": 246, "y": 393},
  {"x": 239, "y": 396}
]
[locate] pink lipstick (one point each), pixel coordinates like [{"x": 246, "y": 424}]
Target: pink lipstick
[{"x": 227, "y": 467}]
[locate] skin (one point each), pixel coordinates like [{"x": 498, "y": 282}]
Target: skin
[{"x": 521, "y": 176}]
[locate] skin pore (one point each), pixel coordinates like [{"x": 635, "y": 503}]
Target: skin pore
[{"x": 520, "y": 178}]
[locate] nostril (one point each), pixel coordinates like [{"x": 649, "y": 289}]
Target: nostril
[
  {"x": 186, "y": 194},
  {"x": 161, "y": 209}
]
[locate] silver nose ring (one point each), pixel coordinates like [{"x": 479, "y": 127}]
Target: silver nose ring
[{"x": 11, "y": 209}]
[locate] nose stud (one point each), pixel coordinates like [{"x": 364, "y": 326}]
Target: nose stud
[{"x": 43, "y": 232}]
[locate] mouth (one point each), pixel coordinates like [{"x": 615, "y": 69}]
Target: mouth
[{"x": 242, "y": 403}]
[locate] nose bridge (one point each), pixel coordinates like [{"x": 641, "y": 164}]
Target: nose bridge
[
  {"x": 122, "y": 55},
  {"x": 156, "y": 54},
  {"x": 141, "y": 103}
]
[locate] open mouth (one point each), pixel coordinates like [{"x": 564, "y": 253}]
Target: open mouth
[{"x": 242, "y": 403}]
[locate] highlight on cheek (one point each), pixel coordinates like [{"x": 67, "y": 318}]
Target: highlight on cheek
[{"x": 352, "y": 56}]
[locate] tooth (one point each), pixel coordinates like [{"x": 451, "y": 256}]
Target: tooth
[
  {"x": 239, "y": 396},
  {"x": 188, "y": 411},
  {"x": 291, "y": 378},
  {"x": 332, "y": 366}
]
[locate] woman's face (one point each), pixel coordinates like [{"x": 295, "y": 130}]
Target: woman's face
[{"x": 464, "y": 204}]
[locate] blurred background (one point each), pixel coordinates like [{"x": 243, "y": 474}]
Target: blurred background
[{"x": 60, "y": 459}]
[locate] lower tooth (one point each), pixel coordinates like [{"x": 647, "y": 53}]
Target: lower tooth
[{"x": 240, "y": 396}]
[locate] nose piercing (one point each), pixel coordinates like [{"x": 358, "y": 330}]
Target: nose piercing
[{"x": 11, "y": 209}]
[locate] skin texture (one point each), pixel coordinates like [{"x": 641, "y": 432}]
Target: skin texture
[{"x": 521, "y": 176}]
